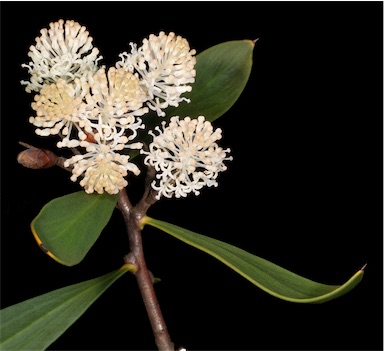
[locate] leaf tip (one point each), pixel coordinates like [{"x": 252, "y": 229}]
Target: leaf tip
[
  {"x": 363, "y": 268},
  {"x": 251, "y": 42}
]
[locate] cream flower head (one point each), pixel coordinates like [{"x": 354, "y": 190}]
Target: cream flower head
[
  {"x": 166, "y": 65},
  {"x": 186, "y": 156},
  {"x": 102, "y": 165},
  {"x": 59, "y": 106},
  {"x": 117, "y": 97},
  {"x": 64, "y": 51}
]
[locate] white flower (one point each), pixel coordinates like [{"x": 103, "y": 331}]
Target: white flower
[
  {"x": 186, "y": 156},
  {"x": 64, "y": 51},
  {"x": 117, "y": 97},
  {"x": 59, "y": 106},
  {"x": 104, "y": 168},
  {"x": 166, "y": 65}
]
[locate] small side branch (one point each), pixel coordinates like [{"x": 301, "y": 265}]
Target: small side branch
[{"x": 149, "y": 196}]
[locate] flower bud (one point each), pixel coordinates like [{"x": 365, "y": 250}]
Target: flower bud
[{"x": 37, "y": 158}]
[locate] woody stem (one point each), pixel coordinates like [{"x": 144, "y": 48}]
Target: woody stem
[{"x": 132, "y": 216}]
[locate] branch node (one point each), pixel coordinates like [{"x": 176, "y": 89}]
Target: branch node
[{"x": 131, "y": 259}]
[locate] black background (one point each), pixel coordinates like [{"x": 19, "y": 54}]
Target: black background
[{"x": 304, "y": 189}]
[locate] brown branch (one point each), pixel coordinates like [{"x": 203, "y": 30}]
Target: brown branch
[
  {"x": 149, "y": 196},
  {"x": 132, "y": 216}
]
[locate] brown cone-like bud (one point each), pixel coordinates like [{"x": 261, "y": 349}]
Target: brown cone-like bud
[{"x": 37, "y": 158}]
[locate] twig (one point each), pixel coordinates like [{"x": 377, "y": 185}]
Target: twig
[{"x": 132, "y": 216}]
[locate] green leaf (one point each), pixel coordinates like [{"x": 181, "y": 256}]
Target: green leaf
[
  {"x": 268, "y": 276},
  {"x": 222, "y": 72},
  {"x": 36, "y": 323},
  {"x": 68, "y": 226}
]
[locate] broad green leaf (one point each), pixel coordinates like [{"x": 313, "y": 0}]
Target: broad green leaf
[
  {"x": 68, "y": 226},
  {"x": 222, "y": 72},
  {"x": 36, "y": 323},
  {"x": 268, "y": 276}
]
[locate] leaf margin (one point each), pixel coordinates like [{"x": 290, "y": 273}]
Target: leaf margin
[
  {"x": 42, "y": 243},
  {"x": 335, "y": 291}
]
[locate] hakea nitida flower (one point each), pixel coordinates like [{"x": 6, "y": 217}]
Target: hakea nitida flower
[
  {"x": 165, "y": 64},
  {"x": 64, "y": 51},
  {"x": 186, "y": 156},
  {"x": 97, "y": 111},
  {"x": 103, "y": 167},
  {"x": 60, "y": 106},
  {"x": 117, "y": 97},
  {"x": 117, "y": 100}
]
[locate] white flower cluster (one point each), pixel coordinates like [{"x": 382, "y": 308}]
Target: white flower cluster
[
  {"x": 64, "y": 51},
  {"x": 99, "y": 111},
  {"x": 186, "y": 156},
  {"x": 166, "y": 64}
]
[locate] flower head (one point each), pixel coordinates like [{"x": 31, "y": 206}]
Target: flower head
[
  {"x": 166, "y": 65},
  {"x": 186, "y": 156},
  {"x": 64, "y": 51},
  {"x": 104, "y": 168},
  {"x": 117, "y": 97},
  {"x": 59, "y": 106}
]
